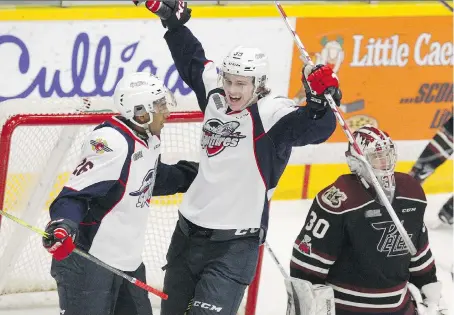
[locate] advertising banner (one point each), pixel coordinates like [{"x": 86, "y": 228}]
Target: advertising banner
[{"x": 395, "y": 72}]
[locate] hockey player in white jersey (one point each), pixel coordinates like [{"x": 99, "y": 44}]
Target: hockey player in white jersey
[
  {"x": 104, "y": 206},
  {"x": 247, "y": 137}
]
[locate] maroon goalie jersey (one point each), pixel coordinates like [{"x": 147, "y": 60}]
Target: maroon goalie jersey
[{"x": 350, "y": 243}]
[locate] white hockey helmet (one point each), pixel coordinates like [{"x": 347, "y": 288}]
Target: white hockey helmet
[
  {"x": 139, "y": 93},
  {"x": 379, "y": 150},
  {"x": 248, "y": 62}
]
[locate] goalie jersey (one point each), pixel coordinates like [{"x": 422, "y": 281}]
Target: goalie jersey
[
  {"x": 350, "y": 242},
  {"x": 242, "y": 153},
  {"x": 109, "y": 192}
]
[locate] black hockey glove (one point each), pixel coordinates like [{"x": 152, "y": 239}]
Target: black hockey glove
[
  {"x": 173, "y": 13},
  {"x": 190, "y": 170},
  {"x": 61, "y": 237},
  {"x": 318, "y": 80}
]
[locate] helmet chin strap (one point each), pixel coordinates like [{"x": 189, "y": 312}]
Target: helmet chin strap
[{"x": 145, "y": 125}]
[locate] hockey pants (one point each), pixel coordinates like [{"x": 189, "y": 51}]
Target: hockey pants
[
  {"x": 85, "y": 288},
  {"x": 205, "y": 276}
]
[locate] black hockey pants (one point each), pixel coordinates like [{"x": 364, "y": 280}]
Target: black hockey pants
[
  {"x": 209, "y": 276},
  {"x": 85, "y": 288}
]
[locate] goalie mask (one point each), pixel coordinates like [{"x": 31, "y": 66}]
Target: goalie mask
[
  {"x": 244, "y": 74},
  {"x": 380, "y": 152},
  {"x": 139, "y": 93}
]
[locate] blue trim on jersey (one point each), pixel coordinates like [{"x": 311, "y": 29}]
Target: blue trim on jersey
[
  {"x": 270, "y": 162},
  {"x": 189, "y": 57}
]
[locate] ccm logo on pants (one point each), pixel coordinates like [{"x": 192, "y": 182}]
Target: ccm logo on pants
[{"x": 207, "y": 306}]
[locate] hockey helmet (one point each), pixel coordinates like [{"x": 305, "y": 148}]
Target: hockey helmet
[
  {"x": 248, "y": 62},
  {"x": 379, "y": 150},
  {"x": 139, "y": 93}
]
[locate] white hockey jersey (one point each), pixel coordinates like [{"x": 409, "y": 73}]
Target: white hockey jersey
[
  {"x": 109, "y": 192},
  {"x": 242, "y": 154}
]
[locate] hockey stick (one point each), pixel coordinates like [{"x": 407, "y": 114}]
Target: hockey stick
[
  {"x": 307, "y": 60},
  {"x": 446, "y": 4},
  {"x": 92, "y": 258}
]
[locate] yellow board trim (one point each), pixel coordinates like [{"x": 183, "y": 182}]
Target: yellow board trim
[{"x": 127, "y": 12}]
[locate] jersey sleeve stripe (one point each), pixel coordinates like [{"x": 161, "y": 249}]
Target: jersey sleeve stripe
[
  {"x": 423, "y": 267},
  {"x": 300, "y": 264},
  {"x": 368, "y": 295},
  {"x": 421, "y": 253},
  {"x": 315, "y": 256}
]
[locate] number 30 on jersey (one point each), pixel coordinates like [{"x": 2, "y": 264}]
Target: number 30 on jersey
[{"x": 318, "y": 226}]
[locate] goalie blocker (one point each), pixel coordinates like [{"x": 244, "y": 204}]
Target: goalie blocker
[{"x": 350, "y": 243}]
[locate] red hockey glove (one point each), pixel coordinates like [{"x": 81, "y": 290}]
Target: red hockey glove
[
  {"x": 317, "y": 81},
  {"x": 62, "y": 234},
  {"x": 173, "y": 13}
]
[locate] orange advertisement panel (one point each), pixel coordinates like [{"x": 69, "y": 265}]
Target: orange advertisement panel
[{"x": 395, "y": 72}]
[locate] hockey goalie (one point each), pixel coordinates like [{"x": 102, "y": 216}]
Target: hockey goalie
[{"x": 349, "y": 245}]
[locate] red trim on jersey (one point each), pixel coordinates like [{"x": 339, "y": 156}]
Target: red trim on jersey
[
  {"x": 323, "y": 255},
  {"x": 259, "y": 136},
  {"x": 308, "y": 271},
  {"x": 207, "y": 62},
  {"x": 122, "y": 183},
  {"x": 361, "y": 310},
  {"x": 425, "y": 270},
  {"x": 255, "y": 150},
  {"x": 368, "y": 290},
  {"x": 128, "y": 130},
  {"x": 123, "y": 194},
  {"x": 433, "y": 148},
  {"x": 88, "y": 223},
  {"x": 70, "y": 188},
  {"x": 421, "y": 250}
]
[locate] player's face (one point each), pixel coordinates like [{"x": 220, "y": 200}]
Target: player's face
[
  {"x": 383, "y": 160},
  {"x": 160, "y": 115},
  {"x": 238, "y": 90}
]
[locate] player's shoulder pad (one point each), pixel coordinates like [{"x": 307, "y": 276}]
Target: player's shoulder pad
[
  {"x": 273, "y": 107},
  {"x": 105, "y": 141},
  {"x": 409, "y": 188},
  {"x": 344, "y": 195}
]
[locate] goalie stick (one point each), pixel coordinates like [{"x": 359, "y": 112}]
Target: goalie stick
[
  {"x": 307, "y": 60},
  {"x": 90, "y": 257}
]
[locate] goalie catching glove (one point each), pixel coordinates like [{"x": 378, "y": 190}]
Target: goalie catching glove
[
  {"x": 173, "y": 13},
  {"x": 318, "y": 80},
  {"x": 61, "y": 236}
]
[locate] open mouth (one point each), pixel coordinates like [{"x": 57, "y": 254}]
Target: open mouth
[{"x": 234, "y": 100}]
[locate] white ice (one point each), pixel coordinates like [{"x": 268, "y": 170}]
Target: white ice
[{"x": 286, "y": 220}]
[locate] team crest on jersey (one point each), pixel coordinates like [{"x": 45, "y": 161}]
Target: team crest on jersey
[
  {"x": 305, "y": 245},
  {"x": 391, "y": 242},
  {"x": 145, "y": 191},
  {"x": 100, "y": 146},
  {"x": 334, "y": 197},
  {"x": 218, "y": 135}
]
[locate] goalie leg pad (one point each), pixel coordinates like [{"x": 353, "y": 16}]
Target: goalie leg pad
[{"x": 305, "y": 298}]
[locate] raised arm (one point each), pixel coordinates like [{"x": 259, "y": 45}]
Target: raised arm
[{"x": 195, "y": 69}]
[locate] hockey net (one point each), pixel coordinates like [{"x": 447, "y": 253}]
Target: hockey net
[{"x": 37, "y": 153}]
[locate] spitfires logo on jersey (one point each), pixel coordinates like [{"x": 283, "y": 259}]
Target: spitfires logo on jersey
[
  {"x": 100, "y": 146},
  {"x": 391, "y": 242},
  {"x": 145, "y": 191},
  {"x": 218, "y": 135}
]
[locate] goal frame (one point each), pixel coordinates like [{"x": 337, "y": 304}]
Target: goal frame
[{"x": 93, "y": 118}]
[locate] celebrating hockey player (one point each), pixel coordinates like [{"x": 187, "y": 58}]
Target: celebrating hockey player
[
  {"x": 350, "y": 243},
  {"x": 104, "y": 206},
  {"x": 437, "y": 151},
  {"x": 247, "y": 137}
]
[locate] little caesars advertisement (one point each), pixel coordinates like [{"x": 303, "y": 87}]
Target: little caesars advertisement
[{"x": 395, "y": 72}]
